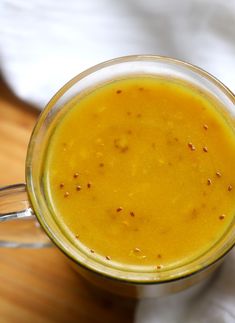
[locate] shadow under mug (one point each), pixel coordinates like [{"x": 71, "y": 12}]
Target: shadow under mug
[{"x": 28, "y": 201}]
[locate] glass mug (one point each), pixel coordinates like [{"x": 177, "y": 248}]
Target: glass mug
[{"x": 27, "y": 201}]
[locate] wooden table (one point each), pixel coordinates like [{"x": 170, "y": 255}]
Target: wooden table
[{"x": 38, "y": 285}]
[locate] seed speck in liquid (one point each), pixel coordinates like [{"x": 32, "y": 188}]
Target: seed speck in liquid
[
  {"x": 222, "y": 217},
  {"x": 209, "y": 181},
  {"x": 191, "y": 146},
  {"x": 75, "y": 175}
]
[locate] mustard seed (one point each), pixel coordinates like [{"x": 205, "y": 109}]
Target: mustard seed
[
  {"x": 191, "y": 146},
  {"x": 222, "y": 217},
  {"x": 218, "y": 174}
]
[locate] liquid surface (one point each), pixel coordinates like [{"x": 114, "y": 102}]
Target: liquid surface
[{"x": 141, "y": 172}]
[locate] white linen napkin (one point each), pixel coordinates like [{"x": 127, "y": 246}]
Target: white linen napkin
[
  {"x": 212, "y": 303},
  {"x": 44, "y": 43}
]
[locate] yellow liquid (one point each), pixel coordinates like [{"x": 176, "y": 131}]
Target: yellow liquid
[{"x": 142, "y": 172}]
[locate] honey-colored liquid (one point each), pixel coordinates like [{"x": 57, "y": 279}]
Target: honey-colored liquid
[{"x": 142, "y": 172}]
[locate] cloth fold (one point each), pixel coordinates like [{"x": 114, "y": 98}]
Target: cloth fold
[
  {"x": 44, "y": 43},
  {"x": 210, "y": 303}
]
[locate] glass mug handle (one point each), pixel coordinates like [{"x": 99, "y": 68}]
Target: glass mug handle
[{"x": 19, "y": 227}]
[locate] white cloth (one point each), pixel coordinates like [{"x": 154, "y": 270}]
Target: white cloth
[
  {"x": 44, "y": 43},
  {"x": 214, "y": 303}
]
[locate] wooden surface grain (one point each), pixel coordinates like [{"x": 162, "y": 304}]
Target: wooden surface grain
[{"x": 38, "y": 285}]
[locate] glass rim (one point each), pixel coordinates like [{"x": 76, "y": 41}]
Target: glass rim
[{"x": 110, "y": 272}]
